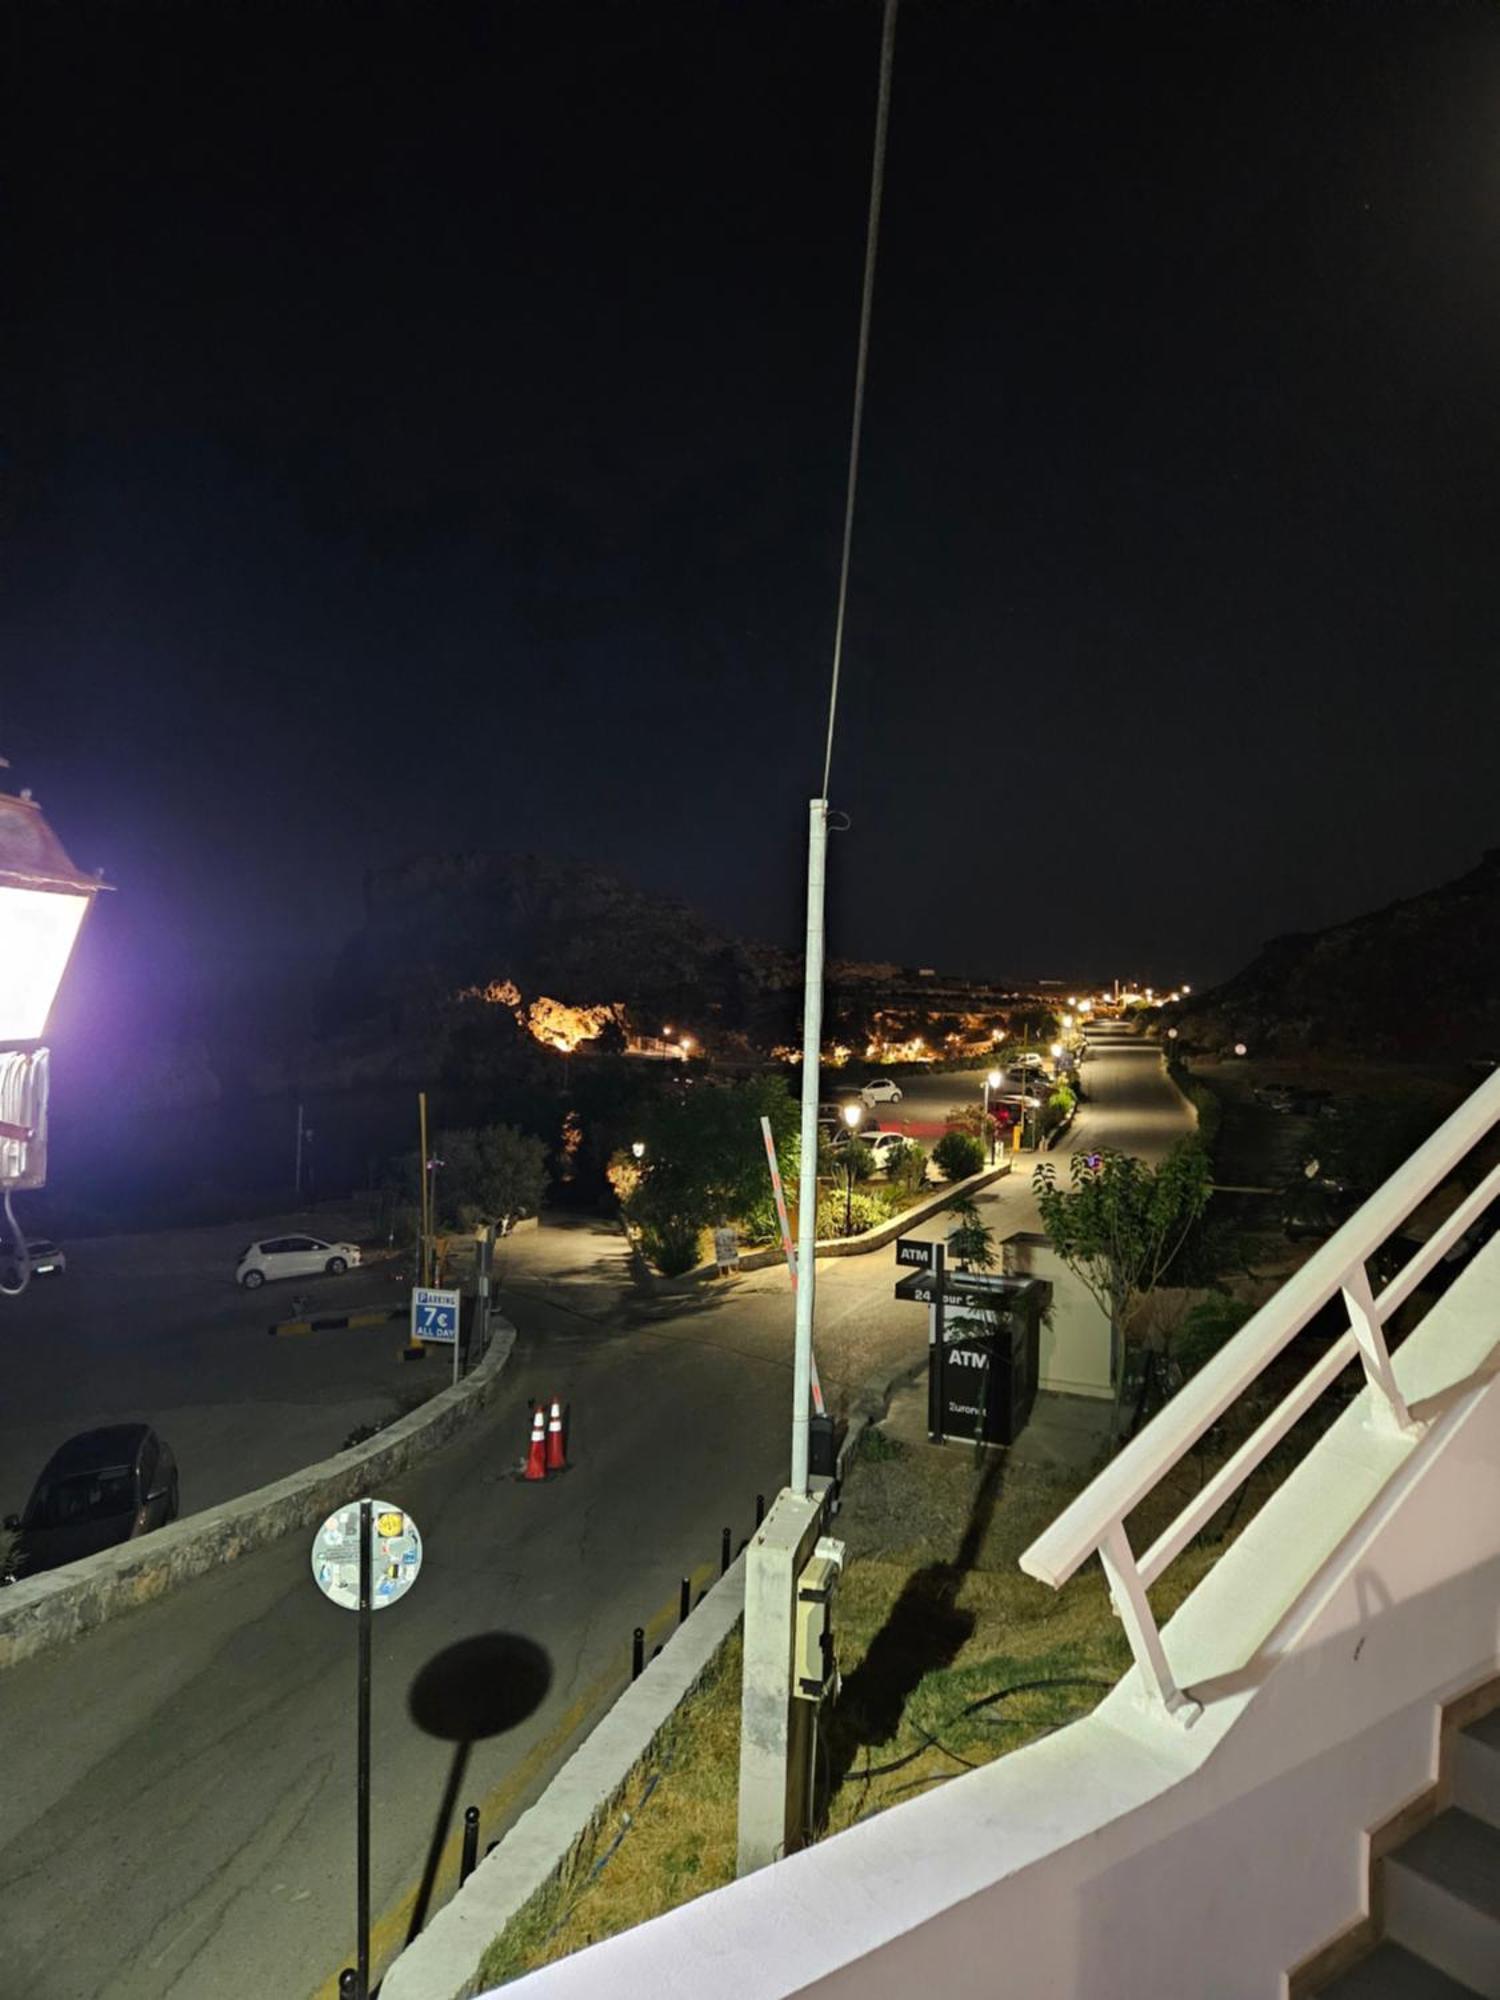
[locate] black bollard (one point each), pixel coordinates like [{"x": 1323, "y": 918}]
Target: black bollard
[
  {"x": 348, "y": 1984},
  {"x": 724, "y": 1551},
  {"x": 684, "y": 1599},
  {"x": 471, "y": 1844},
  {"x": 638, "y": 1652},
  {"x": 760, "y": 1508}
]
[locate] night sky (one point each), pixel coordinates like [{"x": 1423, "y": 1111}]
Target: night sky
[{"x": 425, "y": 427}]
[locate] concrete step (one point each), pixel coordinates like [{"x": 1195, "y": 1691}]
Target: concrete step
[
  {"x": 1390, "y": 1973},
  {"x": 1442, "y": 1898},
  {"x": 1476, "y": 1768}
]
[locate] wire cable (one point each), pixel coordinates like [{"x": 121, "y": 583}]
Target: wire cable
[{"x": 872, "y": 236}]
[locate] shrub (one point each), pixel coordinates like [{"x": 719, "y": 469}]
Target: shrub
[
  {"x": 959, "y": 1154},
  {"x": 1206, "y": 1328},
  {"x": 909, "y": 1172},
  {"x": 867, "y": 1208},
  {"x": 671, "y": 1243}
]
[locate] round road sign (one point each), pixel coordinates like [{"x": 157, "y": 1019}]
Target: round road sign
[{"x": 395, "y": 1555}]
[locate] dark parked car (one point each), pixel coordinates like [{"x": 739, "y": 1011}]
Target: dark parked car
[
  {"x": 100, "y": 1488},
  {"x": 45, "y": 1258}
]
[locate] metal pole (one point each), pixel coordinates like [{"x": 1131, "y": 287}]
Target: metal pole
[
  {"x": 786, "y": 1242},
  {"x": 637, "y": 1652},
  {"x": 426, "y": 1197},
  {"x": 362, "y": 1805},
  {"x": 471, "y": 1844},
  {"x": 760, "y": 1508},
  {"x": 807, "y": 1190},
  {"x": 725, "y": 1545},
  {"x": 939, "y": 1259},
  {"x": 299, "y": 1153},
  {"x": 684, "y": 1599}
]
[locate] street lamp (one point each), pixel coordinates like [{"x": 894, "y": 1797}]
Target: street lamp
[
  {"x": 991, "y": 1082},
  {"x": 638, "y": 1147},
  {"x": 43, "y": 900},
  {"x": 853, "y": 1115},
  {"x": 1240, "y": 1049}
]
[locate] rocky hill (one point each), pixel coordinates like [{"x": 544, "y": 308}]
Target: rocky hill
[
  {"x": 1418, "y": 979},
  {"x": 443, "y": 924}
]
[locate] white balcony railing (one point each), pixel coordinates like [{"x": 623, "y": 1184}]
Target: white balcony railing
[{"x": 1096, "y": 1519}]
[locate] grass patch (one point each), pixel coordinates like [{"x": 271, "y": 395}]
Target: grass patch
[
  {"x": 950, "y": 1658},
  {"x": 669, "y": 1837}
]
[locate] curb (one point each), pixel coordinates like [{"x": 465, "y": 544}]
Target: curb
[
  {"x": 828, "y": 1246},
  {"x": 375, "y": 1316},
  {"x": 43, "y": 1612}
]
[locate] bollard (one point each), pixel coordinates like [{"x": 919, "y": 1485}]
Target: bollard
[
  {"x": 724, "y": 1552},
  {"x": 760, "y": 1508},
  {"x": 638, "y": 1652},
  {"x": 684, "y": 1599},
  {"x": 470, "y": 1859},
  {"x": 348, "y": 1984}
]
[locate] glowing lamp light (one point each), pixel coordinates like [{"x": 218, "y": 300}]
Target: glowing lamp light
[
  {"x": 994, "y": 1079},
  {"x": 852, "y": 1115},
  {"x": 1240, "y": 1049},
  {"x": 638, "y": 1147},
  {"x": 1057, "y": 1049},
  {"x": 43, "y": 898}
]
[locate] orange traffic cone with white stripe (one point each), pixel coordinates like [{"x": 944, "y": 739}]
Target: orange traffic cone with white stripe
[
  {"x": 536, "y": 1457},
  {"x": 557, "y": 1458}
]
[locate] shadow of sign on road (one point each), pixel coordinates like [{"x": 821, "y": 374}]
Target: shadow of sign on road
[{"x": 478, "y": 1688}]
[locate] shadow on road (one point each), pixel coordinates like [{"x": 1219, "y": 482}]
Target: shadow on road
[
  {"x": 478, "y": 1688},
  {"x": 925, "y": 1631}
]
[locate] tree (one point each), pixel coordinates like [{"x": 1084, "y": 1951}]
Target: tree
[
  {"x": 493, "y": 1174},
  {"x": 1118, "y": 1226},
  {"x": 705, "y": 1161}
]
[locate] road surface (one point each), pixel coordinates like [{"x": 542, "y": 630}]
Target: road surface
[
  {"x": 154, "y": 1327},
  {"x": 177, "y": 1817}
]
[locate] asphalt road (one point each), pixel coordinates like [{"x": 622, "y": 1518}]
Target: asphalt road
[
  {"x": 177, "y": 1818},
  {"x": 154, "y": 1327}
]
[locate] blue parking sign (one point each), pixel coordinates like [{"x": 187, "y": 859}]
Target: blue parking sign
[{"x": 434, "y": 1316}]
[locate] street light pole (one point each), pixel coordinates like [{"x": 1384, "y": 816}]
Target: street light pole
[
  {"x": 991, "y": 1082},
  {"x": 853, "y": 1114}
]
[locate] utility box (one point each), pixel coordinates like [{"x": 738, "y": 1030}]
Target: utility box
[
  {"x": 814, "y": 1674},
  {"x": 778, "y": 1725},
  {"x": 988, "y": 1363}
]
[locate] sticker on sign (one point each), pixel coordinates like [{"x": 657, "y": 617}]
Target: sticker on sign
[{"x": 395, "y": 1555}]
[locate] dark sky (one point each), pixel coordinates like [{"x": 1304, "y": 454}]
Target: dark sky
[{"x": 424, "y": 426}]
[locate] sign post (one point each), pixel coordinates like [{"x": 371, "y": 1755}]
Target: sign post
[
  {"x": 345, "y": 1569},
  {"x": 434, "y": 1319}
]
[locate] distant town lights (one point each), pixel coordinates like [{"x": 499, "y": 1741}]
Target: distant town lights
[{"x": 43, "y": 898}]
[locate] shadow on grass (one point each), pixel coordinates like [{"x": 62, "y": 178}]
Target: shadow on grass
[{"x": 924, "y": 1633}]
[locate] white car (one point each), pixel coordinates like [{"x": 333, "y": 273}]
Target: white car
[
  {"x": 880, "y": 1091},
  {"x": 293, "y": 1257},
  {"x": 887, "y": 1148}
]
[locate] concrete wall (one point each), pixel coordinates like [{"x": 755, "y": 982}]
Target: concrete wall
[
  {"x": 1128, "y": 1857},
  {"x": 41, "y": 1612},
  {"x": 1075, "y": 1333}
]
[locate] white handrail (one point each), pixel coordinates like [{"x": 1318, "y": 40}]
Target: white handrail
[{"x": 1095, "y": 1520}]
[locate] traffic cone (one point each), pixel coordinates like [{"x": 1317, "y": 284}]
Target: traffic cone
[
  {"x": 557, "y": 1459},
  {"x": 536, "y": 1457}
]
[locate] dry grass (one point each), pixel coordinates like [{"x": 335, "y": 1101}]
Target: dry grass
[{"x": 950, "y": 1657}]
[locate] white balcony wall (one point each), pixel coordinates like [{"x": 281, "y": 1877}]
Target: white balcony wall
[{"x": 1128, "y": 1857}]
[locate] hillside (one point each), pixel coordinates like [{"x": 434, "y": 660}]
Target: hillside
[
  {"x": 583, "y": 935},
  {"x": 1419, "y": 978}
]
